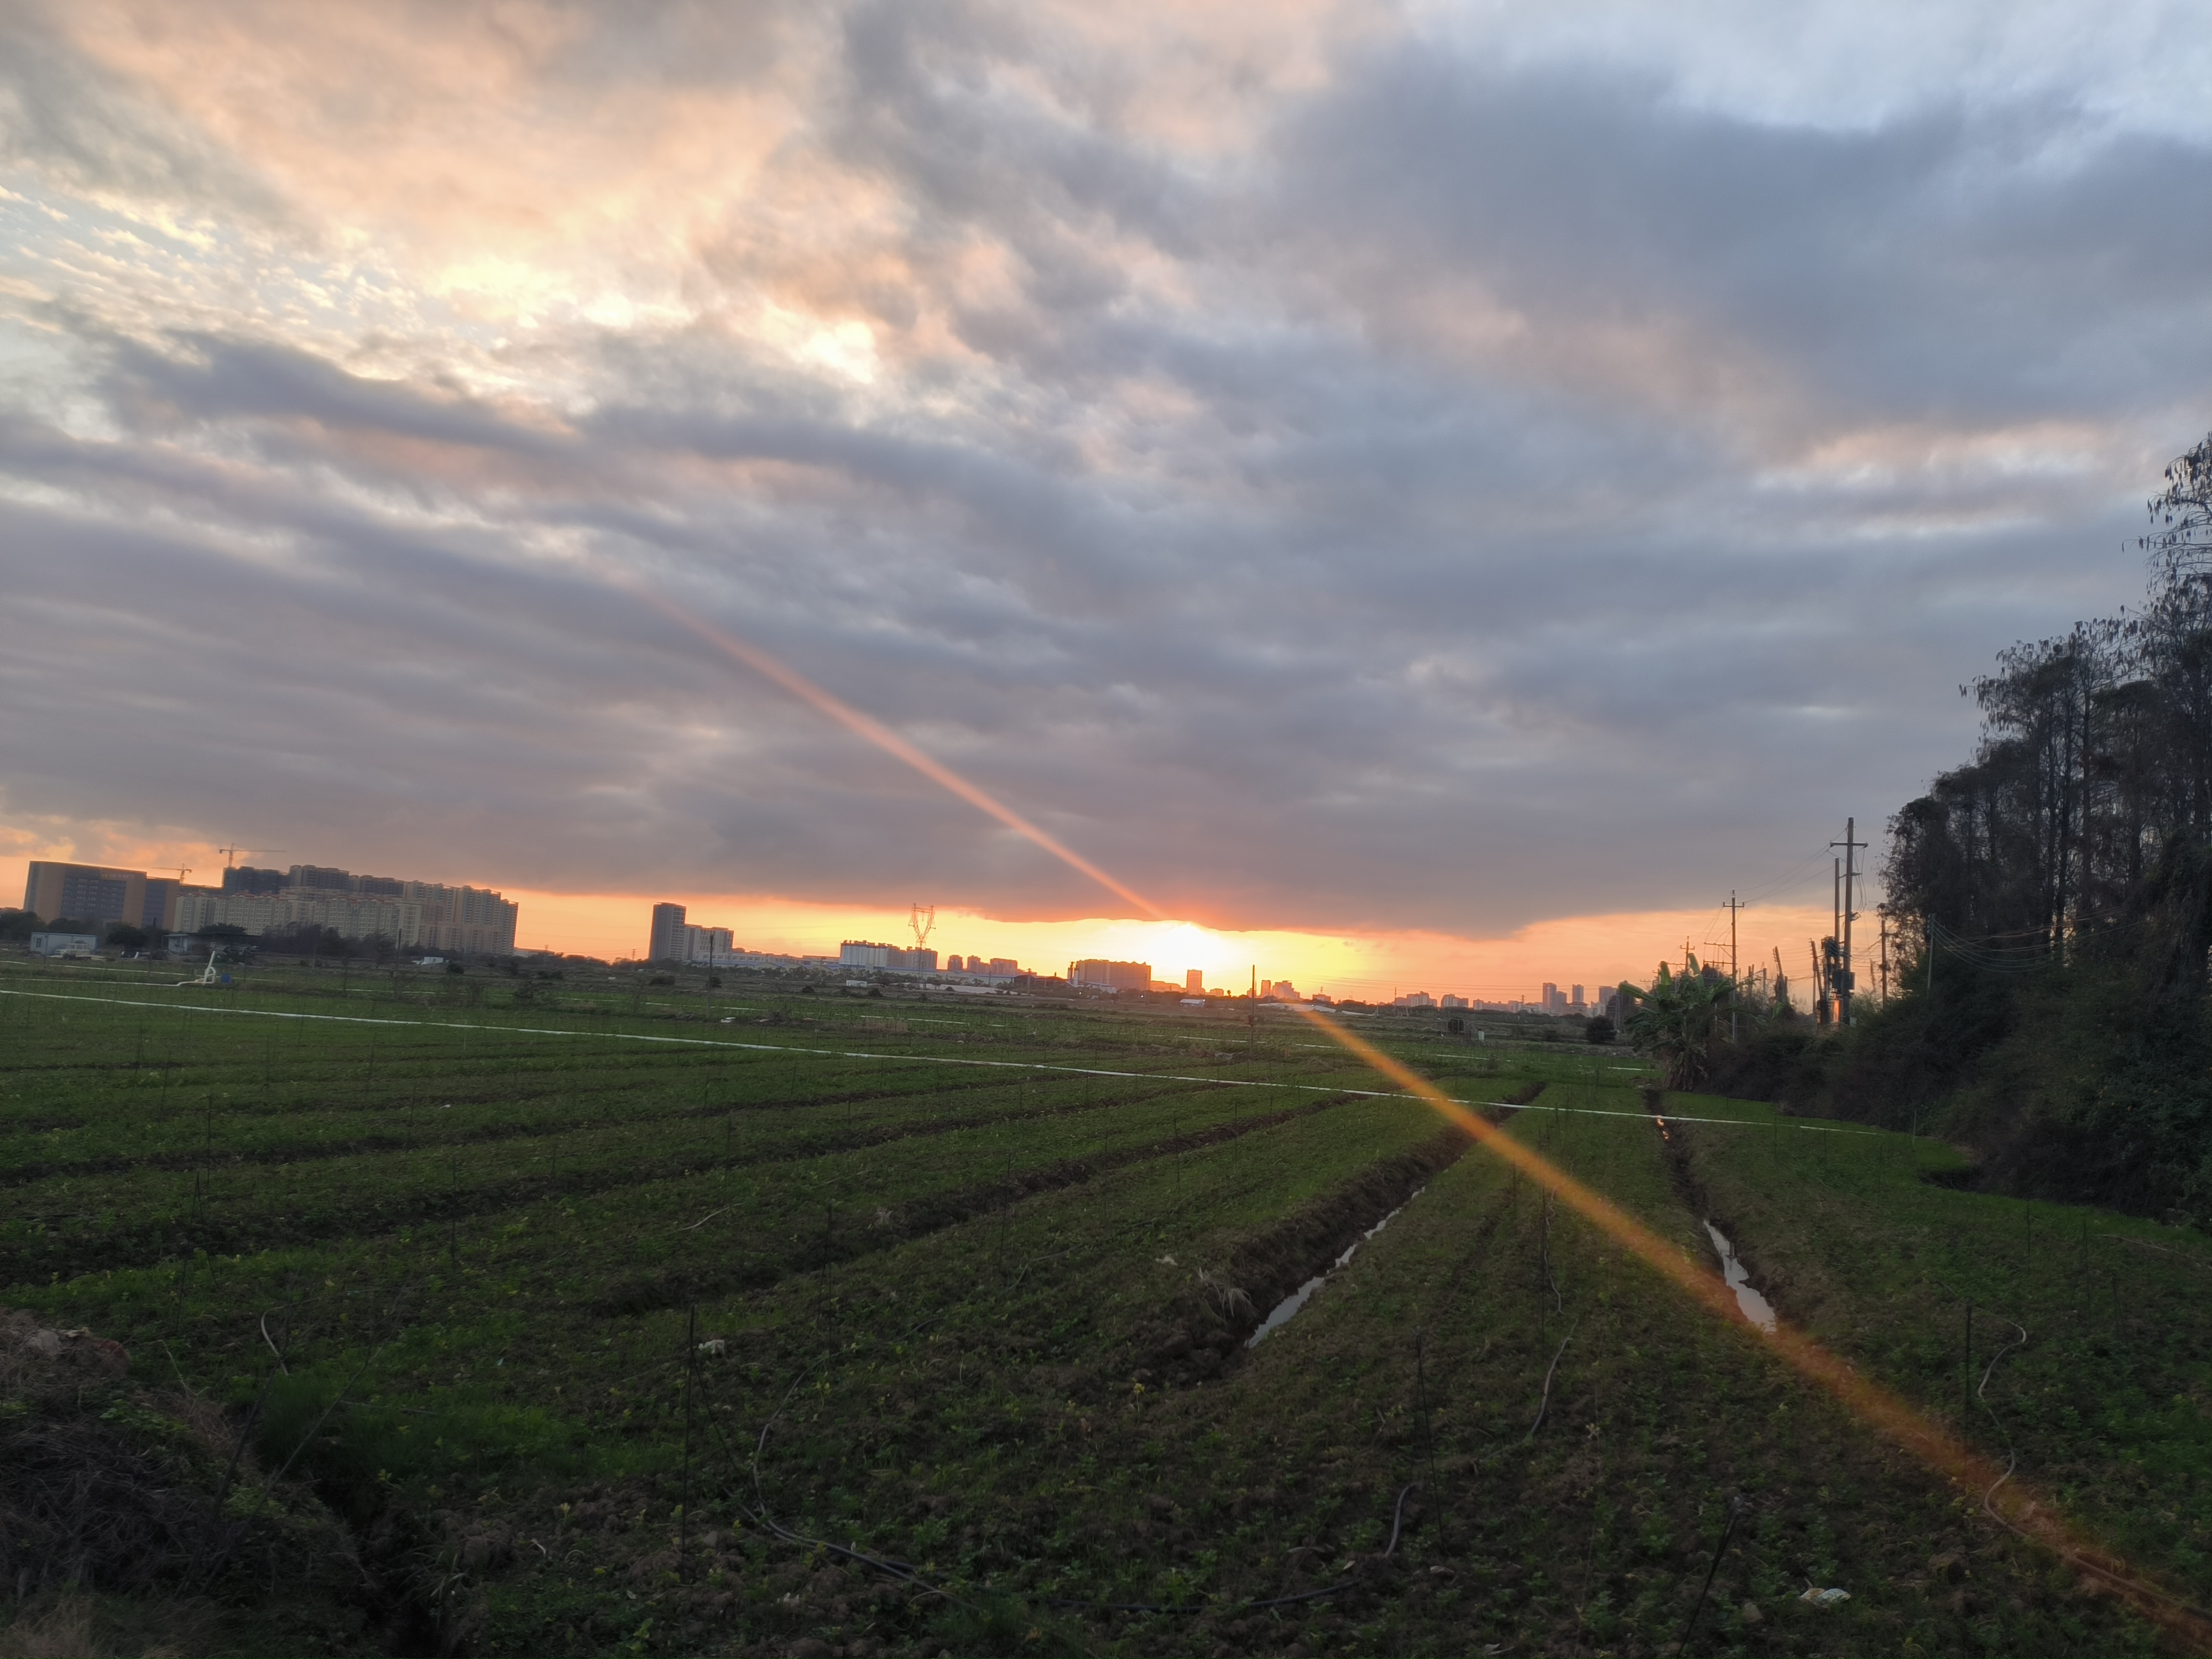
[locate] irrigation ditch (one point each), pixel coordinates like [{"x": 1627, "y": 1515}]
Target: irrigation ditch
[
  {"x": 1725, "y": 1235},
  {"x": 1201, "y": 1335}
]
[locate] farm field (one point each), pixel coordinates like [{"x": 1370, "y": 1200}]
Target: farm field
[{"x": 612, "y": 1317}]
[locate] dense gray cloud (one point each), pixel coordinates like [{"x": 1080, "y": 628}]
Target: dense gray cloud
[{"x": 1433, "y": 487}]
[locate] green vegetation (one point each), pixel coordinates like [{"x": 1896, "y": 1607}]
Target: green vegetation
[
  {"x": 2053, "y": 901},
  {"x": 611, "y": 1317}
]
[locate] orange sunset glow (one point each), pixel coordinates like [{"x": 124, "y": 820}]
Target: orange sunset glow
[{"x": 628, "y": 628}]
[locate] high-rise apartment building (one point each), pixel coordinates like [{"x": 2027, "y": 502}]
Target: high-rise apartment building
[
  {"x": 1193, "y": 981},
  {"x": 89, "y": 892},
  {"x": 95, "y": 893},
  {"x": 412, "y": 914},
  {"x": 674, "y": 940}
]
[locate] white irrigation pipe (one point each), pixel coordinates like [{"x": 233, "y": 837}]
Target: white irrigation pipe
[{"x": 906, "y": 1060}]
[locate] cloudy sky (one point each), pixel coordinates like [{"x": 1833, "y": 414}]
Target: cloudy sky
[{"x": 1450, "y": 490}]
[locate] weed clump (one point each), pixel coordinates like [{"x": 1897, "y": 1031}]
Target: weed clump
[{"x": 111, "y": 1489}]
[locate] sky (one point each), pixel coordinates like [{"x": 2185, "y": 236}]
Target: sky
[{"x": 1428, "y": 496}]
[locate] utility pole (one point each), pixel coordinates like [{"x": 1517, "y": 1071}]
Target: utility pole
[
  {"x": 1733, "y": 987},
  {"x": 1850, "y": 845},
  {"x": 1831, "y": 948}
]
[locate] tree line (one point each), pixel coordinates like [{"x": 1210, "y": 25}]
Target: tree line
[
  {"x": 2093, "y": 775},
  {"x": 2053, "y": 897}
]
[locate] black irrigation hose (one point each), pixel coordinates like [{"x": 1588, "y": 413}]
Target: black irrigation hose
[{"x": 2011, "y": 1452}]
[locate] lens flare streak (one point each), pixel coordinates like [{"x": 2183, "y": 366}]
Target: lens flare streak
[{"x": 890, "y": 742}]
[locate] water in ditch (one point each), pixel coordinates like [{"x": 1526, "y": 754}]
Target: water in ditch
[
  {"x": 1281, "y": 1313},
  {"x": 1756, "y": 1308}
]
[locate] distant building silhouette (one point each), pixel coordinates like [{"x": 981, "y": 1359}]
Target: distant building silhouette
[
  {"x": 412, "y": 914},
  {"x": 865, "y": 953},
  {"x": 93, "y": 892},
  {"x": 675, "y": 940},
  {"x": 1111, "y": 975}
]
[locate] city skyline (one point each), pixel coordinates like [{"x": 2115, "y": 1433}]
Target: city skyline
[{"x": 617, "y": 928}]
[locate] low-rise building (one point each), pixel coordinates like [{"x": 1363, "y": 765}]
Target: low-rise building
[
  {"x": 64, "y": 945},
  {"x": 893, "y": 958},
  {"x": 988, "y": 967}
]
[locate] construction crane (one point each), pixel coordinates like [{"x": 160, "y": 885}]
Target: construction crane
[
  {"x": 921, "y": 918},
  {"x": 230, "y": 854}
]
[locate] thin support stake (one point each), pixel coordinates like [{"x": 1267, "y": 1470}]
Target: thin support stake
[
  {"x": 1734, "y": 1510},
  {"x": 690, "y": 1383}
]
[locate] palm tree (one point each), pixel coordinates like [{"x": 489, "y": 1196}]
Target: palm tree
[{"x": 1679, "y": 1019}]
